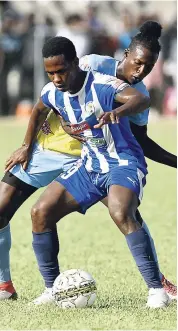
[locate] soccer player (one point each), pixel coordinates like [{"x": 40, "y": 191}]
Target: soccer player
[
  {"x": 112, "y": 160},
  {"x": 47, "y": 172}
]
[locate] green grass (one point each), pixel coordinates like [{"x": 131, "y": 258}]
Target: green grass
[{"x": 93, "y": 243}]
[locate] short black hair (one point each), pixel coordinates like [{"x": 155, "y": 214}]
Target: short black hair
[
  {"x": 148, "y": 36},
  {"x": 57, "y": 46}
]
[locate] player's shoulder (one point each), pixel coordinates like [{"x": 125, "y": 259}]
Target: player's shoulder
[
  {"x": 107, "y": 80},
  {"x": 103, "y": 78},
  {"x": 92, "y": 60},
  {"x": 141, "y": 87},
  {"x": 49, "y": 87}
]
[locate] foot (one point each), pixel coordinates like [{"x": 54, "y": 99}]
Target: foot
[
  {"x": 7, "y": 291},
  {"x": 157, "y": 298},
  {"x": 170, "y": 288},
  {"x": 44, "y": 298}
]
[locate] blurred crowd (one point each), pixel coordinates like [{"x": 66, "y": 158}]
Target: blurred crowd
[{"x": 22, "y": 35}]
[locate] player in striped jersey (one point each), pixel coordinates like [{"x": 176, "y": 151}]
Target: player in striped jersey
[
  {"x": 51, "y": 143},
  {"x": 138, "y": 122},
  {"x": 112, "y": 161}
]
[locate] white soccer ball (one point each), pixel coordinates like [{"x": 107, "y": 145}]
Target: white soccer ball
[{"x": 74, "y": 288}]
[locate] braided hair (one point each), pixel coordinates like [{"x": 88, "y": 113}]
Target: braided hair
[{"x": 148, "y": 36}]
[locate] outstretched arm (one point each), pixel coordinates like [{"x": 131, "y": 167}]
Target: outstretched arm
[
  {"x": 130, "y": 102},
  {"x": 151, "y": 149}
]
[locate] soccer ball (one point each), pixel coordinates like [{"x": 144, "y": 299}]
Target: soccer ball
[{"x": 74, "y": 288}]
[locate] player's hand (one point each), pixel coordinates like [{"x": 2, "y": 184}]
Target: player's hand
[
  {"x": 110, "y": 117},
  {"x": 20, "y": 156}
]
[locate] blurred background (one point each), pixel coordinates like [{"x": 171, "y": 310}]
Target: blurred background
[{"x": 101, "y": 27}]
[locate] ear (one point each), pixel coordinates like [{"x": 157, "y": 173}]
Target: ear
[{"x": 127, "y": 52}]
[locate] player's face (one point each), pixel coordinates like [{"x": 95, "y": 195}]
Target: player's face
[
  {"x": 138, "y": 63},
  {"x": 61, "y": 72}
]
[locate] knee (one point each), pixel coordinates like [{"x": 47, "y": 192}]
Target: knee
[
  {"x": 119, "y": 215},
  {"x": 124, "y": 218},
  {"x": 39, "y": 216}
]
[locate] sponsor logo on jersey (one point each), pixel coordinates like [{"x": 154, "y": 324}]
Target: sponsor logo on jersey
[
  {"x": 79, "y": 127},
  {"x": 98, "y": 142},
  {"x": 89, "y": 108}
]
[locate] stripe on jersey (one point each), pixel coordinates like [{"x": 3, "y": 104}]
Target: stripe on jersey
[
  {"x": 86, "y": 157},
  {"x": 103, "y": 163},
  {"x": 88, "y": 133},
  {"x": 98, "y": 160},
  {"x": 51, "y": 96},
  {"x": 59, "y": 105},
  {"x": 111, "y": 149},
  {"x": 45, "y": 99},
  {"x": 47, "y": 95},
  {"x": 72, "y": 115}
]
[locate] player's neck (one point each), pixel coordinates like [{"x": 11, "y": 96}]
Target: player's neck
[
  {"x": 119, "y": 71},
  {"x": 78, "y": 83}
]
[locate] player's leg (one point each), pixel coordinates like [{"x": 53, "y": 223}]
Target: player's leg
[
  {"x": 53, "y": 204},
  {"x": 123, "y": 199},
  {"x": 72, "y": 191},
  {"x": 13, "y": 192},
  {"x": 169, "y": 287},
  {"x": 44, "y": 166},
  {"x": 144, "y": 225}
]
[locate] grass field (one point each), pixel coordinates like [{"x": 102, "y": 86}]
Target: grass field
[{"x": 93, "y": 243}]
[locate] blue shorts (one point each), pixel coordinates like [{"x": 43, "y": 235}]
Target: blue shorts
[
  {"x": 88, "y": 188},
  {"x": 44, "y": 167}
]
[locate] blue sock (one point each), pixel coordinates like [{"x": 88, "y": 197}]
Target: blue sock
[
  {"x": 152, "y": 246},
  {"x": 46, "y": 248},
  {"x": 140, "y": 247},
  {"x": 5, "y": 246}
]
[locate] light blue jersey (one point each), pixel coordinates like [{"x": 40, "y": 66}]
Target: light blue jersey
[
  {"x": 113, "y": 144},
  {"x": 108, "y": 65}
]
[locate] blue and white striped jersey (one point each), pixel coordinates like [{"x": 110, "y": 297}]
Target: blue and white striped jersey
[
  {"x": 105, "y": 147},
  {"x": 108, "y": 65}
]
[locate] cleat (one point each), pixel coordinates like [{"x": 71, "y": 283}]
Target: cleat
[
  {"x": 170, "y": 288},
  {"x": 7, "y": 291},
  {"x": 157, "y": 298},
  {"x": 45, "y": 298}
]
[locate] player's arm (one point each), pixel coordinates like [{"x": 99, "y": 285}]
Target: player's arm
[
  {"x": 151, "y": 149},
  {"x": 37, "y": 118},
  {"x": 68, "y": 129},
  {"x": 22, "y": 154},
  {"x": 132, "y": 102}
]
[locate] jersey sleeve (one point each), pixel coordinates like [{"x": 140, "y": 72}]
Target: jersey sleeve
[
  {"x": 107, "y": 90},
  {"x": 45, "y": 95},
  {"x": 85, "y": 63},
  {"x": 141, "y": 118},
  {"x": 103, "y": 64}
]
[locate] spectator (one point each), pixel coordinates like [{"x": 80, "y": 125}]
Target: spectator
[
  {"x": 11, "y": 52},
  {"x": 76, "y": 29}
]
